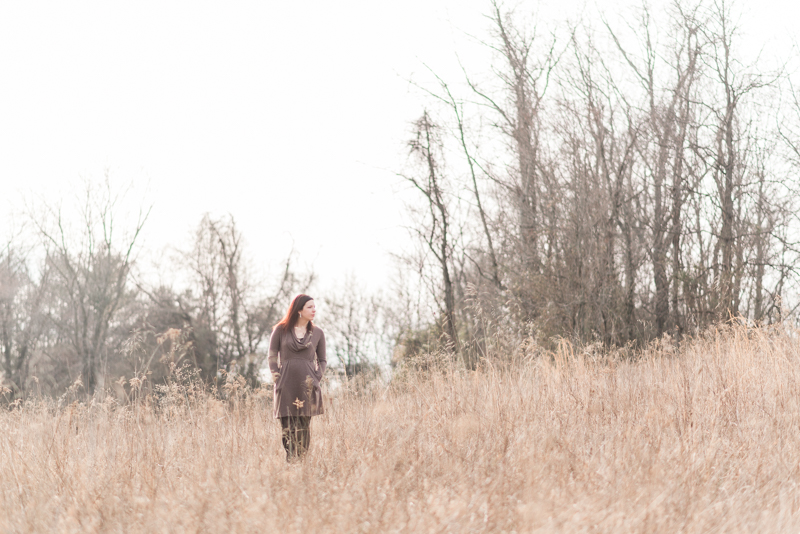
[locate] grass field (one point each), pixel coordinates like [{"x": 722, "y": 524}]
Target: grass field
[{"x": 701, "y": 439}]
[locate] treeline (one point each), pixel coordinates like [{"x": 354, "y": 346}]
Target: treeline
[
  {"x": 79, "y": 312},
  {"x": 608, "y": 181},
  {"x": 73, "y": 312}
]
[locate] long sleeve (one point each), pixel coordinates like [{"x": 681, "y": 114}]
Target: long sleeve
[
  {"x": 323, "y": 362},
  {"x": 274, "y": 349}
]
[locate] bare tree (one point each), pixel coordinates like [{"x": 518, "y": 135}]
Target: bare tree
[
  {"x": 632, "y": 194},
  {"x": 517, "y": 113},
  {"x": 89, "y": 265},
  {"x": 436, "y": 232},
  {"x": 527, "y": 77},
  {"x": 667, "y": 101},
  {"x": 726, "y": 155},
  {"x": 358, "y": 329},
  {"x": 23, "y": 324},
  {"x": 460, "y": 132},
  {"x": 239, "y": 310}
]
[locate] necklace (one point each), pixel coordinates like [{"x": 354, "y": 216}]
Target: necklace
[{"x": 299, "y": 332}]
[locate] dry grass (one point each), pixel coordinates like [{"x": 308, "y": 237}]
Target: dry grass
[{"x": 705, "y": 440}]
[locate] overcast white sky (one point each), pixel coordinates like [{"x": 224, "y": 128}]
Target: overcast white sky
[{"x": 288, "y": 115}]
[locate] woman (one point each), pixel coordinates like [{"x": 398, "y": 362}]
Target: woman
[{"x": 297, "y": 362}]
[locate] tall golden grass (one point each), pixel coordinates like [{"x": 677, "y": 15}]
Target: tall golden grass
[{"x": 701, "y": 439}]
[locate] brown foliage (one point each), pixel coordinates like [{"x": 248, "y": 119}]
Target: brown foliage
[{"x": 695, "y": 439}]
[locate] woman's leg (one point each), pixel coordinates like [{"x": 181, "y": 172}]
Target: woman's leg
[
  {"x": 295, "y": 435},
  {"x": 303, "y": 434},
  {"x": 286, "y": 430}
]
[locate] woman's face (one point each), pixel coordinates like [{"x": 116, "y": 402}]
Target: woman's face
[{"x": 309, "y": 311}]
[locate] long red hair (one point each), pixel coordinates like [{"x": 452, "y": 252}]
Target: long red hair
[{"x": 290, "y": 319}]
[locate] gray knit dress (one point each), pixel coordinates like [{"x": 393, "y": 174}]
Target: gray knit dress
[{"x": 299, "y": 365}]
